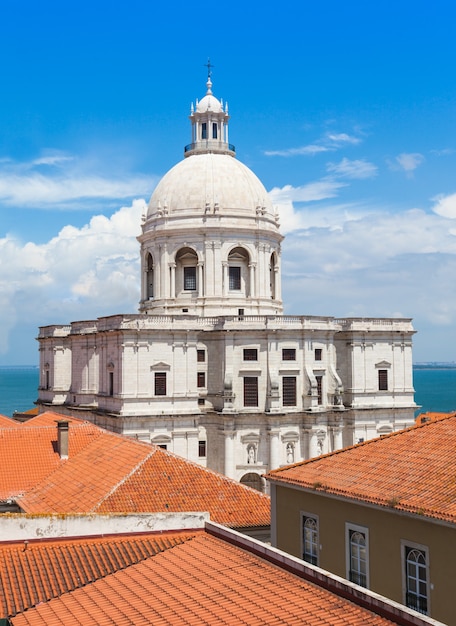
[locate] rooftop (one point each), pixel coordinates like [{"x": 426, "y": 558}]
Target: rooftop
[
  {"x": 412, "y": 470},
  {"x": 110, "y": 473},
  {"x": 211, "y": 576}
]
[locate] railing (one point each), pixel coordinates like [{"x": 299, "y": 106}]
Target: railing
[{"x": 208, "y": 145}]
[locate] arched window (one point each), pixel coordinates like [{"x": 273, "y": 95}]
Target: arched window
[
  {"x": 358, "y": 558},
  {"x": 416, "y": 583},
  {"x": 272, "y": 275},
  {"x": 238, "y": 271},
  {"x": 252, "y": 480},
  {"x": 150, "y": 276},
  {"x": 186, "y": 271}
]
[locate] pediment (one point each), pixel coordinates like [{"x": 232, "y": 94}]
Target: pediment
[
  {"x": 383, "y": 364},
  {"x": 160, "y": 366}
]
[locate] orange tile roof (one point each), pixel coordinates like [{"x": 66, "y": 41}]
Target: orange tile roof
[
  {"x": 36, "y": 571},
  {"x": 29, "y": 453},
  {"x": 431, "y": 416},
  {"x": 117, "y": 474},
  {"x": 411, "y": 470},
  {"x": 7, "y": 422},
  {"x": 202, "y": 581}
]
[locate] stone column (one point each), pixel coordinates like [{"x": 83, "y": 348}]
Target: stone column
[
  {"x": 225, "y": 279},
  {"x": 173, "y": 280},
  {"x": 200, "y": 280},
  {"x": 274, "y": 448},
  {"x": 229, "y": 434},
  {"x": 313, "y": 448},
  {"x": 252, "y": 280}
]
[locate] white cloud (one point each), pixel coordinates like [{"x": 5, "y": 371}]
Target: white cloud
[
  {"x": 64, "y": 181},
  {"x": 327, "y": 143},
  {"x": 343, "y": 138},
  {"x": 358, "y": 169},
  {"x": 408, "y": 161},
  {"x": 445, "y": 206},
  {"x": 79, "y": 274},
  {"x": 310, "y": 149}
]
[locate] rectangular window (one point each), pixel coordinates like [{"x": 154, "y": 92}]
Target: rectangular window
[
  {"x": 201, "y": 356},
  {"x": 357, "y": 555},
  {"x": 214, "y": 130},
  {"x": 111, "y": 383},
  {"x": 289, "y": 390},
  {"x": 201, "y": 379},
  {"x": 309, "y": 539},
  {"x": 190, "y": 278},
  {"x": 250, "y": 354},
  {"x": 250, "y": 391},
  {"x": 160, "y": 383},
  {"x": 234, "y": 278},
  {"x": 201, "y": 448},
  {"x": 47, "y": 384},
  {"x": 416, "y": 578},
  {"x": 204, "y": 130},
  {"x": 383, "y": 380},
  {"x": 319, "y": 380},
  {"x": 318, "y": 353},
  {"x": 288, "y": 354}
]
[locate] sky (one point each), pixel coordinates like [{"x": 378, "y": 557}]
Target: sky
[{"x": 346, "y": 111}]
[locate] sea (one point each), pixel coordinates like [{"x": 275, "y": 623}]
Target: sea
[{"x": 435, "y": 388}]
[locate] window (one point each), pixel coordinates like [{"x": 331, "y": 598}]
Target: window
[
  {"x": 288, "y": 354},
  {"x": 289, "y": 390},
  {"x": 250, "y": 354},
  {"x": 357, "y": 556},
  {"x": 319, "y": 380},
  {"x": 383, "y": 380},
  {"x": 163, "y": 446},
  {"x": 111, "y": 383},
  {"x": 250, "y": 391},
  {"x": 214, "y": 130},
  {"x": 160, "y": 383},
  {"x": 416, "y": 586},
  {"x": 201, "y": 379},
  {"x": 318, "y": 353},
  {"x": 190, "y": 278},
  {"x": 201, "y": 356},
  {"x": 234, "y": 278},
  {"x": 47, "y": 384},
  {"x": 201, "y": 401},
  {"x": 310, "y": 539},
  {"x": 201, "y": 448},
  {"x": 204, "y": 130}
]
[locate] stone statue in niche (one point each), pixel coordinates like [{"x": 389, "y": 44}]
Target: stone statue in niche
[
  {"x": 290, "y": 453},
  {"x": 251, "y": 453}
]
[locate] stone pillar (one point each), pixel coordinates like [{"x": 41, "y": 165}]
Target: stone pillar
[
  {"x": 229, "y": 434},
  {"x": 225, "y": 282},
  {"x": 252, "y": 280},
  {"x": 313, "y": 448},
  {"x": 173, "y": 280},
  {"x": 274, "y": 448},
  {"x": 338, "y": 439},
  {"x": 200, "y": 280}
]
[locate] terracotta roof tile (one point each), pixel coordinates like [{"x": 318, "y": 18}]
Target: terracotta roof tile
[
  {"x": 29, "y": 454},
  {"x": 8, "y": 422},
  {"x": 411, "y": 470},
  {"x": 116, "y": 474},
  {"x": 35, "y": 571},
  {"x": 202, "y": 581}
]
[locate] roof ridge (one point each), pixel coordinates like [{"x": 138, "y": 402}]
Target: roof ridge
[{"x": 126, "y": 477}]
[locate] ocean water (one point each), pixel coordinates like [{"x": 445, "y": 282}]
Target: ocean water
[{"x": 435, "y": 389}]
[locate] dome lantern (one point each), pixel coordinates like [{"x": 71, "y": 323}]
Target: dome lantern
[{"x": 209, "y": 120}]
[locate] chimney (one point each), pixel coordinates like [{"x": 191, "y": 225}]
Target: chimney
[{"x": 62, "y": 438}]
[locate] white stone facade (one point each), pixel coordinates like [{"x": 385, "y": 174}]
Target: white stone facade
[{"x": 210, "y": 367}]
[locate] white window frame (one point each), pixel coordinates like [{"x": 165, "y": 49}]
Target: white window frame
[
  {"x": 310, "y": 516},
  {"x": 411, "y": 545},
  {"x": 355, "y": 528}
]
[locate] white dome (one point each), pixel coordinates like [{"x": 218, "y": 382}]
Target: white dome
[
  {"x": 209, "y": 103},
  {"x": 210, "y": 179}
]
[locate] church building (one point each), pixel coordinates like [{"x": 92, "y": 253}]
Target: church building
[{"x": 211, "y": 368}]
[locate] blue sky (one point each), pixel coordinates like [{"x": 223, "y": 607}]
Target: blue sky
[{"x": 345, "y": 110}]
